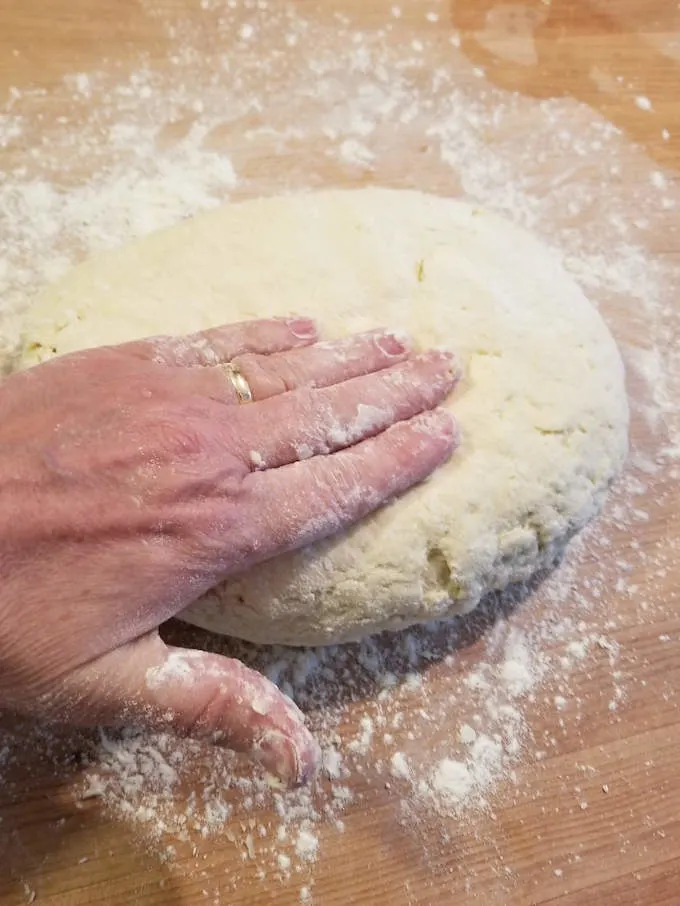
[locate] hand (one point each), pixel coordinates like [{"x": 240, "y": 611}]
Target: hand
[{"x": 132, "y": 481}]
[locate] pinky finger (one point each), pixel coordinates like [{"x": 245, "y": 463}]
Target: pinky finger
[{"x": 332, "y": 492}]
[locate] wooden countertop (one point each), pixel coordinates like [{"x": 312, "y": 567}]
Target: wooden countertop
[{"x": 597, "y": 815}]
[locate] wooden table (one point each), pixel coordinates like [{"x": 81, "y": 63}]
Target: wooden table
[{"x": 599, "y": 816}]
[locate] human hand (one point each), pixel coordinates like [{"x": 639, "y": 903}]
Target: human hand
[{"x": 132, "y": 481}]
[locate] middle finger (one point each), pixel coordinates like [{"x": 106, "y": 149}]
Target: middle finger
[{"x": 311, "y": 422}]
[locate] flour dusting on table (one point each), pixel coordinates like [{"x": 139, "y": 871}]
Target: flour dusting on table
[{"x": 443, "y": 717}]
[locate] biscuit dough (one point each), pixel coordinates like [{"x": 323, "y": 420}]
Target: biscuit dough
[{"x": 542, "y": 406}]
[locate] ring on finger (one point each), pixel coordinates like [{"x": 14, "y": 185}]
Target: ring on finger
[{"x": 238, "y": 381}]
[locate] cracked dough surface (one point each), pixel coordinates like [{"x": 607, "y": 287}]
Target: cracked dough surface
[{"x": 542, "y": 406}]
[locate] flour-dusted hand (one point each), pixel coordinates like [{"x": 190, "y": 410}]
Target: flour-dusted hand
[{"x": 132, "y": 481}]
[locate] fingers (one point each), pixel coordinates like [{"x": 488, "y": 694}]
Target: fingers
[
  {"x": 303, "y": 502},
  {"x": 319, "y": 365},
  {"x": 222, "y": 344},
  {"x": 147, "y": 683},
  {"x": 310, "y": 422}
]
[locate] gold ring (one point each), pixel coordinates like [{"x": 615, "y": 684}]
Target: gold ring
[{"x": 238, "y": 382}]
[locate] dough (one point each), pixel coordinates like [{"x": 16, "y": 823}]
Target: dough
[{"x": 542, "y": 406}]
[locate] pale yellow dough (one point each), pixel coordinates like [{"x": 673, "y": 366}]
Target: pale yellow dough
[{"x": 542, "y": 406}]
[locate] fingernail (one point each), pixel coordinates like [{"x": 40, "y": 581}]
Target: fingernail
[
  {"x": 445, "y": 355},
  {"x": 393, "y": 343},
  {"x": 451, "y": 359},
  {"x": 302, "y": 328},
  {"x": 435, "y": 357},
  {"x": 279, "y": 755},
  {"x": 440, "y": 423},
  {"x": 447, "y": 425}
]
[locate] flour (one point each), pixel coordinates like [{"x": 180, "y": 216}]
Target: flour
[
  {"x": 131, "y": 152},
  {"x": 399, "y": 766}
]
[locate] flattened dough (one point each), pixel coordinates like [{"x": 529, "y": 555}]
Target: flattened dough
[{"x": 542, "y": 406}]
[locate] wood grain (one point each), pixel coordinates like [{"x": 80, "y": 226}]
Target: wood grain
[{"x": 598, "y": 818}]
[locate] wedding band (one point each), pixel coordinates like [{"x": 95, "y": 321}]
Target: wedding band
[{"x": 238, "y": 382}]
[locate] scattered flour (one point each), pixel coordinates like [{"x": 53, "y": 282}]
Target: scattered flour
[
  {"x": 446, "y": 717},
  {"x": 399, "y": 766}
]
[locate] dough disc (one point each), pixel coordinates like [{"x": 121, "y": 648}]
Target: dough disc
[{"x": 542, "y": 406}]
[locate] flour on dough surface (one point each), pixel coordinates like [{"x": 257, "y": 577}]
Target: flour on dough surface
[{"x": 541, "y": 407}]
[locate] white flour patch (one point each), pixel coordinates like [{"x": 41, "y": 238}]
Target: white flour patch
[{"x": 447, "y": 718}]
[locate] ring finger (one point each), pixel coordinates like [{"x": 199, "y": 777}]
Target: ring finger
[{"x": 321, "y": 365}]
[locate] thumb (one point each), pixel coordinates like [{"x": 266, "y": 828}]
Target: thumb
[{"x": 151, "y": 684}]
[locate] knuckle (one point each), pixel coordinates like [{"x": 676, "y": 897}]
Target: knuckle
[
  {"x": 286, "y": 378},
  {"x": 205, "y": 714},
  {"x": 250, "y": 367},
  {"x": 268, "y": 376}
]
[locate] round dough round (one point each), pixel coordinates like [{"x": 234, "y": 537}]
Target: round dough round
[{"x": 542, "y": 405}]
